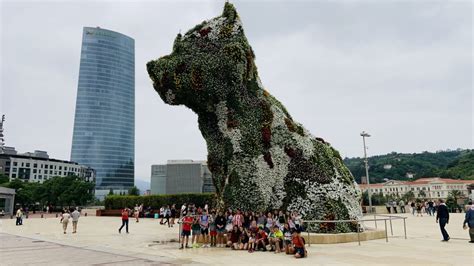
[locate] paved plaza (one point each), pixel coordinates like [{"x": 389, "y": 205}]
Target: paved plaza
[{"x": 41, "y": 241}]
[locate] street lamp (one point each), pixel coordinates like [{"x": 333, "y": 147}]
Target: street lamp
[{"x": 364, "y": 135}]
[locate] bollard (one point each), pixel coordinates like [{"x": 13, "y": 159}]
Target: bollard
[
  {"x": 41, "y": 215},
  {"x": 85, "y": 214}
]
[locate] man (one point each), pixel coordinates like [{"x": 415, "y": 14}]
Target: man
[
  {"x": 75, "y": 218},
  {"x": 276, "y": 239},
  {"x": 402, "y": 206},
  {"x": 431, "y": 207},
  {"x": 387, "y": 205},
  {"x": 187, "y": 221},
  {"x": 442, "y": 215},
  {"x": 469, "y": 221}
]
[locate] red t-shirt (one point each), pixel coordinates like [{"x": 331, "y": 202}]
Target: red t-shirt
[
  {"x": 187, "y": 221},
  {"x": 124, "y": 215}
]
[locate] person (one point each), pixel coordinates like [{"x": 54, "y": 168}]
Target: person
[
  {"x": 402, "y": 206},
  {"x": 136, "y": 212},
  {"x": 394, "y": 206},
  {"x": 469, "y": 222},
  {"x": 187, "y": 222},
  {"x": 418, "y": 209},
  {"x": 212, "y": 228},
  {"x": 261, "y": 239},
  {"x": 124, "y": 220},
  {"x": 237, "y": 219},
  {"x": 442, "y": 216},
  {"x": 270, "y": 223},
  {"x": 65, "y": 220},
  {"x": 298, "y": 243},
  {"x": 196, "y": 229},
  {"x": 244, "y": 239},
  {"x": 387, "y": 205},
  {"x": 162, "y": 214},
  {"x": 75, "y": 218},
  {"x": 233, "y": 240},
  {"x": 287, "y": 233},
  {"x": 19, "y": 216},
  {"x": 182, "y": 213},
  {"x": 431, "y": 207},
  {"x": 276, "y": 239},
  {"x": 167, "y": 214},
  {"x": 261, "y": 220},
  {"x": 173, "y": 214},
  {"x": 413, "y": 208},
  {"x": 220, "y": 228},
  {"x": 252, "y": 242},
  {"x": 204, "y": 223}
]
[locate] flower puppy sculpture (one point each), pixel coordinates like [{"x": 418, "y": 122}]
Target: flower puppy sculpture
[{"x": 260, "y": 158}]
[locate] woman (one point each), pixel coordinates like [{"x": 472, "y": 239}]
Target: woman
[
  {"x": 244, "y": 239},
  {"x": 261, "y": 220},
  {"x": 237, "y": 220},
  {"x": 270, "y": 223},
  {"x": 136, "y": 212},
  {"x": 65, "y": 220},
  {"x": 287, "y": 239},
  {"x": 220, "y": 228},
  {"x": 124, "y": 220},
  {"x": 233, "y": 239}
]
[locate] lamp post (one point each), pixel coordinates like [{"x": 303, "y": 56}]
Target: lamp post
[{"x": 364, "y": 135}]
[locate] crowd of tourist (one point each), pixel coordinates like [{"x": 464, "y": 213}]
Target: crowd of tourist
[{"x": 275, "y": 231}]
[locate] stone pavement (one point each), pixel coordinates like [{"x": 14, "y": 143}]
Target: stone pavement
[{"x": 98, "y": 242}]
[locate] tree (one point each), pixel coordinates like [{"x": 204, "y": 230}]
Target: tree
[
  {"x": 134, "y": 191},
  {"x": 4, "y": 179},
  {"x": 408, "y": 196},
  {"x": 455, "y": 194},
  {"x": 111, "y": 192},
  {"x": 421, "y": 194}
]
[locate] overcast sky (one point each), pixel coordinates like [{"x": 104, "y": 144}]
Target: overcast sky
[{"x": 401, "y": 70}]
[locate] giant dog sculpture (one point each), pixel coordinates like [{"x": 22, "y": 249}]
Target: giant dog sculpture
[{"x": 260, "y": 158}]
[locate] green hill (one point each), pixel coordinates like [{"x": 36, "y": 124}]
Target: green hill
[{"x": 458, "y": 164}]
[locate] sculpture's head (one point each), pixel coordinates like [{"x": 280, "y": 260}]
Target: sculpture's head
[{"x": 207, "y": 64}]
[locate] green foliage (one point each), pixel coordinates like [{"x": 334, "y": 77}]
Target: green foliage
[
  {"x": 377, "y": 198},
  {"x": 457, "y": 164},
  {"x": 4, "y": 179},
  {"x": 157, "y": 201},
  {"x": 57, "y": 191},
  {"x": 134, "y": 191},
  {"x": 111, "y": 192}
]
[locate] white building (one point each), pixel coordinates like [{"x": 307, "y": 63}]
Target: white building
[
  {"x": 38, "y": 167},
  {"x": 433, "y": 187}
]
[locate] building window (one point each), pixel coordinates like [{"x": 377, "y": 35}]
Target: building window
[
  {"x": 50, "y": 172},
  {"x": 22, "y": 164},
  {"x": 14, "y": 169},
  {"x": 34, "y": 171},
  {"x": 45, "y": 166},
  {"x": 15, "y": 164},
  {"x": 7, "y": 163},
  {"x": 14, "y": 175},
  {"x": 40, "y": 177},
  {"x": 51, "y": 166},
  {"x": 27, "y": 164}
]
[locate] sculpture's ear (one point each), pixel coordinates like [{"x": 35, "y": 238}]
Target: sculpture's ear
[
  {"x": 229, "y": 12},
  {"x": 177, "y": 43}
]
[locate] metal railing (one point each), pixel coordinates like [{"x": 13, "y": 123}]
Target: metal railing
[{"x": 359, "y": 221}]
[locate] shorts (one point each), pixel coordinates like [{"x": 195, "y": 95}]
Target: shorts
[
  {"x": 185, "y": 233},
  {"x": 299, "y": 251},
  {"x": 213, "y": 233},
  {"x": 205, "y": 231},
  {"x": 196, "y": 232},
  {"x": 221, "y": 230}
]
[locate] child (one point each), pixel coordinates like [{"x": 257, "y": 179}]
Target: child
[
  {"x": 261, "y": 240},
  {"x": 187, "y": 222},
  {"x": 287, "y": 238},
  {"x": 252, "y": 242},
  {"x": 204, "y": 223},
  {"x": 213, "y": 230},
  {"x": 276, "y": 239},
  {"x": 196, "y": 232},
  {"x": 298, "y": 243}
]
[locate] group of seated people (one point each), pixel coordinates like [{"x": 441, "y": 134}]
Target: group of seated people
[{"x": 277, "y": 231}]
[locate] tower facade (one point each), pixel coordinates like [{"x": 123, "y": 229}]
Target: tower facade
[{"x": 104, "y": 123}]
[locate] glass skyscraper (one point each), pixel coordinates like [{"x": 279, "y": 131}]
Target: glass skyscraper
[{"x": 104, "y": 124}]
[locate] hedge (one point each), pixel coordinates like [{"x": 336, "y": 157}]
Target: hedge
[{"x": 157, "y": 201}]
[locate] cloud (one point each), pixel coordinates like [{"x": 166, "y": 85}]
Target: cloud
[{"x": 400, "y": 70}]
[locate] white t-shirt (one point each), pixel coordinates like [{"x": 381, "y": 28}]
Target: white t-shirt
[
  {"x": 66, "y": 217},
  {"x": 75, "y": 216}
]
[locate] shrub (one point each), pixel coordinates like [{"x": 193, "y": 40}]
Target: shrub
[{"x": 157, "y": 201}]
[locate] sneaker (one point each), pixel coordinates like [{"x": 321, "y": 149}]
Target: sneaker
[
  {"x": 187, "y": 246},
  {"x": 471, "y": 241},
  {"x": 181, "y": 247}
]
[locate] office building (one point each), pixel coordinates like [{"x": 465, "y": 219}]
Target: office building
[
  {"x": 181, "y": 176},
  {"x": 104, "y": 123},
  {"x": 38, "y": 167}
]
